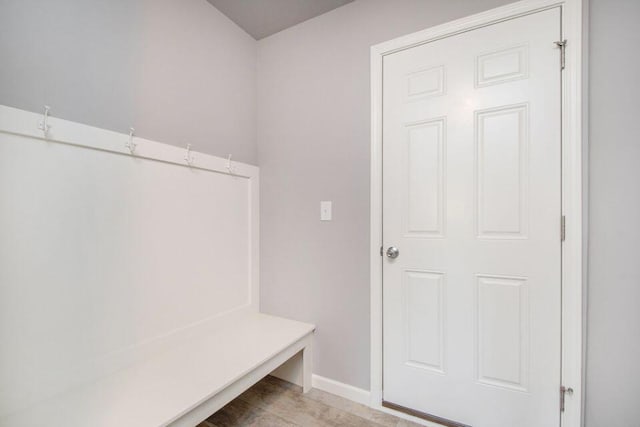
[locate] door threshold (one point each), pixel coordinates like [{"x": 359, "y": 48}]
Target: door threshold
[{"x": 423, "y": 415}]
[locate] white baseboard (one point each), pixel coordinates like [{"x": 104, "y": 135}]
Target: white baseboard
[
  {"x": 361, "y": 396},
  {"x": 341, "y": 389}
]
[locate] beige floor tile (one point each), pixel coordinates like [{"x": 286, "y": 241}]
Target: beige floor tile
[{"x": 273, "y": 402}]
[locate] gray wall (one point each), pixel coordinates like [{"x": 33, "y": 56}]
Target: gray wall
[
  {"x": 178, "y": 71},
  {"x": 313, "y": 127},
  {"x": 613, "y": 368}
]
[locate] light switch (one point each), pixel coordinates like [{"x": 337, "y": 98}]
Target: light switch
[{"x": 325, "y": 211}]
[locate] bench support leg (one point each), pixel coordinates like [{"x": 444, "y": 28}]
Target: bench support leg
[{"x": 307, "y": 366}]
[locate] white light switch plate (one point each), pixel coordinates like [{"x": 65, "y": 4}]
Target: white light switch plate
[{"x": 325, "y": 211}]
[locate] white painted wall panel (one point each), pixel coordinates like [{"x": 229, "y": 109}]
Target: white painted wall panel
[{"x": 102, "y": 253}]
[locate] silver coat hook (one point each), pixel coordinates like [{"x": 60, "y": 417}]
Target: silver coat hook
[
  {"x": 44, "y": 125},
  {"x": 130, "y": 144},
  {"x": 188, "y": 156},
  {"x": 229, "y": 167}
]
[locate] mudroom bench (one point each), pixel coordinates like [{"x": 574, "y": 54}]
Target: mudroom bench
[{"x": 183, "y": 385}]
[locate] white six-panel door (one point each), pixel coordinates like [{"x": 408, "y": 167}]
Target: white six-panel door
[{"x": 472, "y": 201}]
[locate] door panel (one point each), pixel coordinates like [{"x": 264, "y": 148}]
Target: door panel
[
  {"x": 424, "y": 179},
  {"x": 471, "y": 197}
]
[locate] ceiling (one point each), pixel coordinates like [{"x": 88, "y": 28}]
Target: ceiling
[{"x": 261, "y": 18}]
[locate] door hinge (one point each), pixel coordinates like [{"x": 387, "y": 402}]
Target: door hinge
[
  {"x": 562, "y": 45},
  {"x": 563, "y": 228},
  {"x": 563, "y": 392}
]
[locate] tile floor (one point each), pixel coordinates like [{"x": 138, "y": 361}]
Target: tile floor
[{"x": 273, "y": 403}]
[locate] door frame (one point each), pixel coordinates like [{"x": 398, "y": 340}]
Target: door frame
[{"x": 573, "y": 167}]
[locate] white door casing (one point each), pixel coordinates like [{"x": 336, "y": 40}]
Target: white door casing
[{"x": 476, "y": 201}]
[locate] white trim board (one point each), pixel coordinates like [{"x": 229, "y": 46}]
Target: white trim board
[
  {"x": 25, "y": 123},
  {"x": 343, "y": 390},
  {"x": 572, "y": 187}
]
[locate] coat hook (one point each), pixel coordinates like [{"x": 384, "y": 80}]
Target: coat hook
[
  {"x": 188, "y": 156},
  {"x": 44, "y": 125},
  {"x": 229, "y": 167},
  {"x": 130, "y": 144}
]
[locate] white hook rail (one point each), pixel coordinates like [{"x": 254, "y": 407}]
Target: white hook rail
[
  {"x": 30, "y": 124},
  {"x": 188, "y": 156},
  {"x": 130, "y": 144},
  {"x": 44, "y": 125}
]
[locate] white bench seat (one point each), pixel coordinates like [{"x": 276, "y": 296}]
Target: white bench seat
[{"x": 181, "y": 386}]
